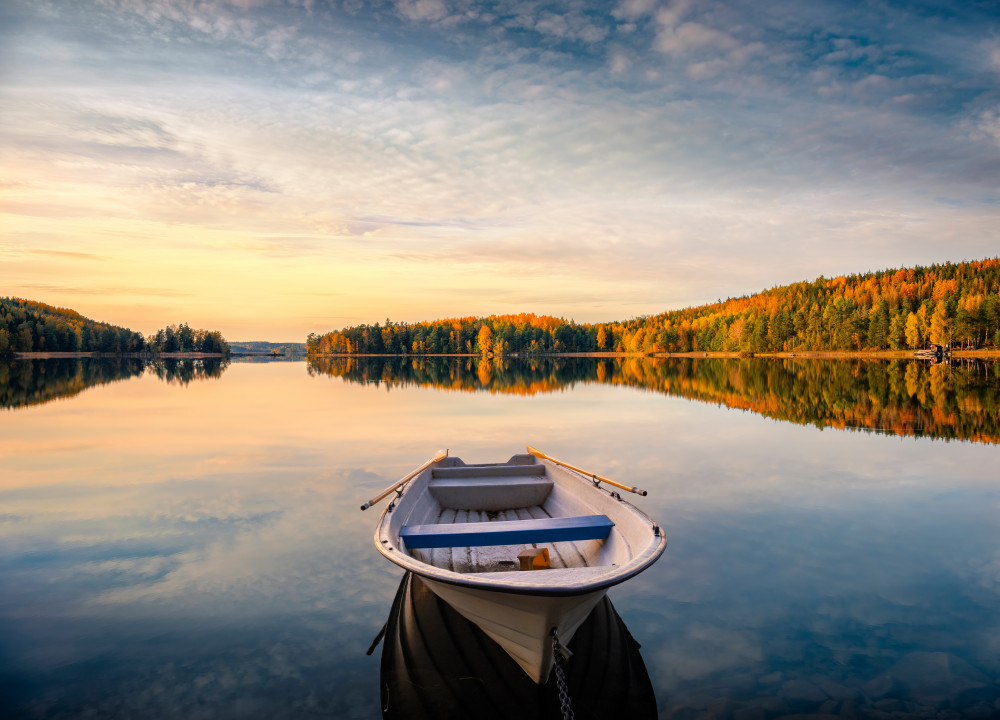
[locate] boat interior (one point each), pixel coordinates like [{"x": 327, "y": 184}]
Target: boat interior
[{"x": 522, "y": 499}]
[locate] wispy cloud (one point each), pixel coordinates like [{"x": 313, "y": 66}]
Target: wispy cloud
[
  {"x": 102, "y": 290},
  {"x": 624, "y": 141},
  {"x": 69, "y": 254}
]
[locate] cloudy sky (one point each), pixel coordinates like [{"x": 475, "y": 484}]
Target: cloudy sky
[{"x": 272, "y": 168}]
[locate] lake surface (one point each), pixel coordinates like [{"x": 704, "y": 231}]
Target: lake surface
[{"x": 183, "y": 540}]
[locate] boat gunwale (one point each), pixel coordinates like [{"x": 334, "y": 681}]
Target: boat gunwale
[{"x": 469, "y": 580}]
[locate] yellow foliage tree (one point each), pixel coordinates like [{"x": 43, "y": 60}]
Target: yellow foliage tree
[
  {"x": 914, "y": 334},
  {"x": 940, "y": 325},
  {"x": 484, "y": 341}
]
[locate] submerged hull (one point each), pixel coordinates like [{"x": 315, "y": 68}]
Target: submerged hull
[
  {"x": 521, "y": 624},
  {"x": 436, "y": 664}
]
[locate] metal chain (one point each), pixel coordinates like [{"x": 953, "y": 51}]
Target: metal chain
[{"x": 559, "y": 656}]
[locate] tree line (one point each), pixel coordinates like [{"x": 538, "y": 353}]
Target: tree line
[
  {"x": 30, "y": 326},
  {"x": 496, "y": 334},
  {"x": 949, "y": 304},
  {"x": 953, "y": 303},
  {"x": 183, "y": 339}
]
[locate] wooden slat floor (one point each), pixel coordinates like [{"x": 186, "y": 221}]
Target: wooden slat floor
[{"x": 499, "y": 558}]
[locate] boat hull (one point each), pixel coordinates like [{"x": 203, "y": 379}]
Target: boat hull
[
  {"x": 521, "y": 624},
  {"x": 436, "y": 664}
]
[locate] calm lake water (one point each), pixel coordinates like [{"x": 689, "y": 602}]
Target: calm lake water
[{"x": 184, "y": 540}]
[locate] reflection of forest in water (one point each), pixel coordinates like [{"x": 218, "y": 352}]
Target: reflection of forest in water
[
  {"x": 906, "y": 397},
  {"x": 33, "y": 382}
]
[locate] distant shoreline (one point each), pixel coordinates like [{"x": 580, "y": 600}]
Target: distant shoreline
[
  {"x": 150, "y": 356},
  {"x": 835, "y": 354},
  {"x": 805, "y": 354}
]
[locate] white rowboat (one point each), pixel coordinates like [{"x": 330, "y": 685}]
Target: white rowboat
[{"x": 462, "y": 527}]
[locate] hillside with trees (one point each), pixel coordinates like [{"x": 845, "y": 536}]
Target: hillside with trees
[
  {"x": 902, "y": 309},
  {"x": 29, "y": 326}
]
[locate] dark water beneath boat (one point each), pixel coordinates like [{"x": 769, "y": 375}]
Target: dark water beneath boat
[
  {"x": 437, "y": 664},
  {"x": 185, "y": 542}
]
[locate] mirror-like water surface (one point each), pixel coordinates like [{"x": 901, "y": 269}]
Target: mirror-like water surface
[
  {"x": 33, "y": 382},
  {"x": 185, "y": 550},
  {"x": 957, "y": 399}
]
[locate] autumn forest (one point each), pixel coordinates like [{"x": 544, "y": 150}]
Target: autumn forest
[
  {"x": 957, "y": 304},
  {"x": 951, "y": 304},
  {"x": 29, "y": 326}
]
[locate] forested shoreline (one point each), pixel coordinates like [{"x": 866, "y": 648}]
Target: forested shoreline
[
  {"x": 892, "y": 310},
  {"x": 899, "y": 309},
  {"x": 27, "y": 326}
]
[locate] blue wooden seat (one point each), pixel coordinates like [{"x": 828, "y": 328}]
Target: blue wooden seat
[{"x": 507, "y": 532}]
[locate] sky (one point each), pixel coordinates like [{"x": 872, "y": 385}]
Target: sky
[{"x": 275, "y": 168}]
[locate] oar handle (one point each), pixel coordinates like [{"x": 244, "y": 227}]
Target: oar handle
[
  {"x": 441, "y": 455},
  {"x": 539, "y": 454}
]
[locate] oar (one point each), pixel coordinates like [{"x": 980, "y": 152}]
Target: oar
[
  {"x": 441, "y": 455},
  {"x": 539, "y": 454}
]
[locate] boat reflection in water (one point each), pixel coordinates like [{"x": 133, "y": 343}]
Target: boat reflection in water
[{"x": 437, "y": 664}]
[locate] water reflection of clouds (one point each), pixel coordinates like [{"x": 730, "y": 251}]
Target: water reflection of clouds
[
  {"x": 207, "y": 540},
  {"x": 211, "y": 550},
  {"x": 701, "y": 649},
  {"x": 181, "y": 595},
  {"x": 780, "y": 587},
  {"x": 989, "y": 574},
  {"x": 225, "y": 668}
]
